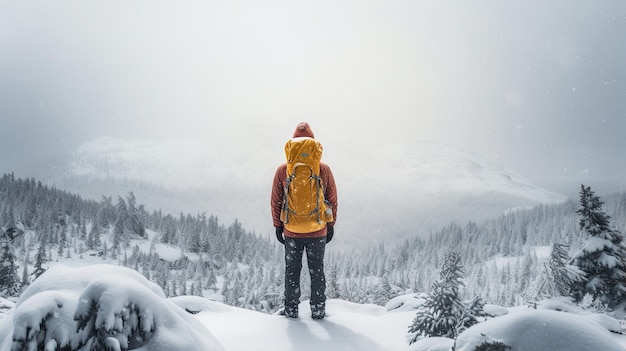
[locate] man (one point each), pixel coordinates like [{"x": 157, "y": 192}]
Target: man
[{"x": 308, "y": 230}]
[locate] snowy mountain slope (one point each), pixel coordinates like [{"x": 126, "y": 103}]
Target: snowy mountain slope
[
  {"x": 191, "y": 176},
  {"x": 404, "y": 188},
  {"x": 413, "y": 188}
]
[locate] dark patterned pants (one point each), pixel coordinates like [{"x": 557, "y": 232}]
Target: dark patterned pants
[{"x": 293, "y": 266}]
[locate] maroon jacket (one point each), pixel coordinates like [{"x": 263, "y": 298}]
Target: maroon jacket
[{"x": 278, "y": 191}]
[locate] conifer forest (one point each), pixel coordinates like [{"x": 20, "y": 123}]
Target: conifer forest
[{"x": 516, "y": 258}]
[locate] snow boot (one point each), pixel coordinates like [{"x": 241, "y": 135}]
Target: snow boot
[
  {"x": 291, "y": 312},
  {"x": 318, "y": 311}
]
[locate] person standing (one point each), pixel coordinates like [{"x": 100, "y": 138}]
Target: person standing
[{"x": 304, "y": 212}]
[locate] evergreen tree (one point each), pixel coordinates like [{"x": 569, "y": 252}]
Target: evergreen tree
[
  {"x": 134, "y": 224},
  {"x": 236, "y": 292},
  {"x": 602, "y": 255},
  {"x": 332, "y": 287},
  {"x": 12, "y": 230},
  {"x": 105, "y": 251},
  {"x": 25, "y": 281},
  {"x": 9, "y": 278},
  {"x": 62, "y": 237},
  {"x": 384, "y": 292},
  {"x": 89, "y": 242},
  {"x": 95, "y": 231},
  {"x": 83, "y": 230},
  {"x": 106, "y": 213},
  {"x": 443, "y": 309},
  {"x": 30, "y": 214},
  {"x": 118, "y": 232},
  {"x": 211, "y": 280},
  {"x": 198, "y": 286},
  {"x": 474, "y": 311},
  {"x": 194, "y": 243},
  {"x": 168, "y": 233},
  {"x": 558, "y": 277},
  {"x": 183, "y": 286},
  {"x": 40, "y": 259}
]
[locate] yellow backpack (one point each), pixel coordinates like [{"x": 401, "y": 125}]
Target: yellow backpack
[{"x": 304, "y": 208}]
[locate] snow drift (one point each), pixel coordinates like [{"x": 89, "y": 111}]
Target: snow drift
[
  {"x": 100, "y": 307},
  {"x": 103, "y": 306},
  {"x": 534, "y": 330}
]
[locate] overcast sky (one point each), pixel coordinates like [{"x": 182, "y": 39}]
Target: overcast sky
[{"x": 539, "y": 86}]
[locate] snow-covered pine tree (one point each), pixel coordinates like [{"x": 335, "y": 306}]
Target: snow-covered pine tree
[
  {"x": 443, "y": 309},
  {"x": 9, "y": 278},
  {"x": 12, "y": 230},
  {"x": 83, "y": 230},
  {"x": 211, "y": 280},
  {"x": 194, "y": 243},
  {"x": 198, "y": 288},
  {"x": 474, "y": 311},
  {"x": 332, "y": 286},
  {"x": 602, "y": 255},
  {"x": 25, "y": 282},
  {"x": 105, "y": 215},
  {"x": 90, "y": 238},
  {"x": 134, "y": 223},
  {"x": 384, "y": 293},
  {"x": 558, "y": 276},
  {"x": 118, "y": 231}
]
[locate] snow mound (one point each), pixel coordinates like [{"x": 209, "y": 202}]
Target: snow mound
[
  {"x": 409, "y": 302},
  {"x": 346, "y": 306},
  {"x": 100, "y": 307},
  {"x": 348, "y": 326},
  {"x": 495, "y": 310},
  {"x": 6, "y": 307},
  {"x": 197, "y": 304},
  {"x": 432, "y": 344},
  {"x": 539, "y": 330},
  {"x": 563, "y": 304}
]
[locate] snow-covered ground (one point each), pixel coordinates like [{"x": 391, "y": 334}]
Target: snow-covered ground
[{"x": 115, "y": 306}]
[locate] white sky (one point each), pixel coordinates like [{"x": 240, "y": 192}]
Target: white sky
[{"x": 538, "y": 86}]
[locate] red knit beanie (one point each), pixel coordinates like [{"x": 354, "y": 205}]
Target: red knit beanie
[{"x": 303, "y": 130}]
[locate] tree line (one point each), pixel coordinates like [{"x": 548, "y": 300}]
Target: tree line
[{"x": 504, "y": 257}]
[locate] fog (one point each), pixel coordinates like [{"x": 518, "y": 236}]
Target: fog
[{"x": 537, "y": 86}]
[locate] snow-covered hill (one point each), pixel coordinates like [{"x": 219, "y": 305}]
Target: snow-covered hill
[{"x": 404, "y": 188}]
